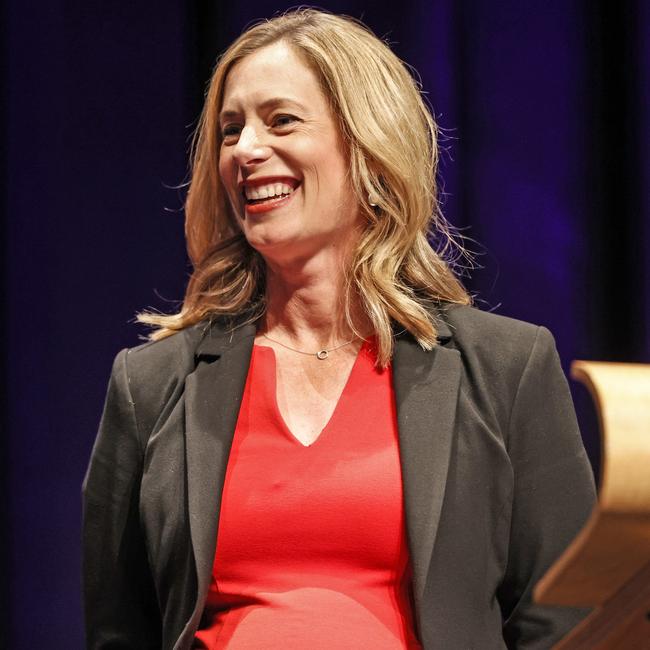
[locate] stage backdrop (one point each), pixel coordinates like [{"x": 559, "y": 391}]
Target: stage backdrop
[{"x": 546, "y": 117}]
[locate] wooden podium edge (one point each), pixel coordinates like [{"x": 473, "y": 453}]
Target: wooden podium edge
[
  {"x": 617, "y": 537},
  {"x": 622, "y": 623}
]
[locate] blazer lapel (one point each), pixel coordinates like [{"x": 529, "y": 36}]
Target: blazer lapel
[
  {"x": 213, "y": 394},
  {"x": 426, "y": 392}
]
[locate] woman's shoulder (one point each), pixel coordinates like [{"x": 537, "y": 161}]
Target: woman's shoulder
[
  {"x": 473, "y": 328},
  {"x": 172, "y": 355},
  {"x": 508, "y": 363},
  {"x": 499, "y": 344},
  {"x": 152, "y": 375},
  {"x": 169, "y": 360},
  {"x": 470, "y": 324}
]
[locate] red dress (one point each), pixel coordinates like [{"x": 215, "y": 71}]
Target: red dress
[{"x": 311, "y": 551}]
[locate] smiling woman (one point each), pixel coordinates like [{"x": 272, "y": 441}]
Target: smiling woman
[
  {"x": 362, "y": 99},
  {"x": 327, "y": 447},
  {"x": 293, "y": 140}
]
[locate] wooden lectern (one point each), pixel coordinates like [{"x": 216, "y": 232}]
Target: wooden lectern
[{"x": 607, "y": 566}]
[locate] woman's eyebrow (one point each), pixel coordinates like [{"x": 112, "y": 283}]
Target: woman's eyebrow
[{"x": 273, "y": 102}]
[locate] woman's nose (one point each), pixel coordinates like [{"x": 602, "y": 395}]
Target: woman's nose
[{"x": 250, "y": 147}]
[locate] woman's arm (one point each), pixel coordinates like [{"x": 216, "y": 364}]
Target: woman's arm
[
  {"x": 553, "y": 496},
  {"x": 121, "y": 609}
]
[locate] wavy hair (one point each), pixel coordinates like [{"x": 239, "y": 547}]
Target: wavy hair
[{"x": 392, "y": 142}]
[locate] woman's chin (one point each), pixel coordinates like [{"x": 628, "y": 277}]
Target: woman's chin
[
  {"x": 266, "y": 243},
  {"x": 284, "y": 248}
]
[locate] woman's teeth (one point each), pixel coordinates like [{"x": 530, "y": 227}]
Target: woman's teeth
[{"x": 272, "y": 190}]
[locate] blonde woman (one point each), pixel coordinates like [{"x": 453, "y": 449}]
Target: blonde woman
[{"x": 327, "y": 447}]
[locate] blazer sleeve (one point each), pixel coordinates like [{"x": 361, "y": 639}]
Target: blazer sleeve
[
  {"x": 553, "y": 496},
  {"x": 121, "y": 609}
]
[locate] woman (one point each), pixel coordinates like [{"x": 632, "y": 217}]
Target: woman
[{"x": 327, "y": 447}]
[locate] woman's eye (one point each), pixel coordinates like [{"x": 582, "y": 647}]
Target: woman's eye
[
  {"x": 284, "y": 120},
  {"x": 230, "y": 130}
]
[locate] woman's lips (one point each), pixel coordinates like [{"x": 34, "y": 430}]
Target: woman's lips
[{"x": 269, "y": 204}]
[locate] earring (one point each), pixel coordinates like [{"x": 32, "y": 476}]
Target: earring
[{"x": 373, "y": 199}]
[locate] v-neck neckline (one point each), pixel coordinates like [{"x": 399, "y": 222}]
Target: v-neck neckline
[{"x": 273, "y": 395}]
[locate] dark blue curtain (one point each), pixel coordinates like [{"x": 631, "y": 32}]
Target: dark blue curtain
[{"x": 545, "y": 110}]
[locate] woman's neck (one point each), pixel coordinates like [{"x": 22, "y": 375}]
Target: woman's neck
[{"x": 305, "y": 304}]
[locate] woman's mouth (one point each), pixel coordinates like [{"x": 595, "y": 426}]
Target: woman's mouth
[{"x": 269, "y": 196}]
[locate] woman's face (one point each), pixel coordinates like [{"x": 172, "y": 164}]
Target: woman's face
[{"x": 282, "y": 160}]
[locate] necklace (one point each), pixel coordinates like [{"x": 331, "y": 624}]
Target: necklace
[{"x": 321, "y": 355}]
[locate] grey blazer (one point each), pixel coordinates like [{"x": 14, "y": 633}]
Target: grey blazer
[{"x": 496, "y": 482}]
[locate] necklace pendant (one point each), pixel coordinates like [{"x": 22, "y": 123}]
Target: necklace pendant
[{"x": 322, "y": 354}]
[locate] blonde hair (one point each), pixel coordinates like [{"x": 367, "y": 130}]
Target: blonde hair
[{"x": 391, "y": 138}]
